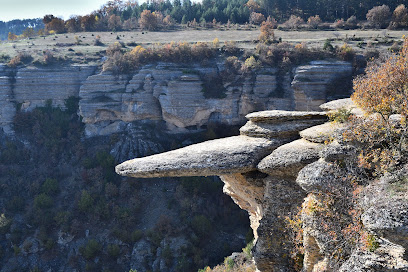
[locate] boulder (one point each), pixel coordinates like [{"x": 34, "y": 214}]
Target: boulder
[
  {"x": 290, "y": 158},
  {"x": 345, "y": 103},
  {"x": 320, "y": 176},
  {"x": 323, "y": 133},
  {"x": 339, "y": 104}
]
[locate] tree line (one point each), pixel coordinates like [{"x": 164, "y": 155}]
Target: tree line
[
  {"x": 118, "y": 15},
  {"x": 19, "y": 26}
]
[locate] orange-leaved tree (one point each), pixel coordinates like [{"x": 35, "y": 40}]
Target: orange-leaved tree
[{"x": 383, "y": 94}]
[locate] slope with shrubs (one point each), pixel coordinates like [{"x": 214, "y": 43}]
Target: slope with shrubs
[{"x": 64, "y": 207}]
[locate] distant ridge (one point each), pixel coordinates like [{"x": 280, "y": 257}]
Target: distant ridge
[{"x": 17, "y": 26}]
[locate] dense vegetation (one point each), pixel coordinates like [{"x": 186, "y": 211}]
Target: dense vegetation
[{"x": 56, "y": 185}]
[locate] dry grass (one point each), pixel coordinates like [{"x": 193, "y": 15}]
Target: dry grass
[{"x": 83, "y": 50}]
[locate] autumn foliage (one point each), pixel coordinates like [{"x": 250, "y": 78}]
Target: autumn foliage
[
  {"x": 382, "y": 93},
  {"x": 384, "y": 87},
  {"x": 267, "y": 33}
]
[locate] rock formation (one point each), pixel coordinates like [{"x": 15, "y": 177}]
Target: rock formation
[
  {"x": 167, "y": 92},
  {"x": 272, "y": 175}
]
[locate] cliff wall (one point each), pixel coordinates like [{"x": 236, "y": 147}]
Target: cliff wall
[
  {"x": 275, "y": 170},
  {"x": 175, "y": 94}
]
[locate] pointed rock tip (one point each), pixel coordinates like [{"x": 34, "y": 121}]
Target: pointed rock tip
[{"x": 238, "y": 154}]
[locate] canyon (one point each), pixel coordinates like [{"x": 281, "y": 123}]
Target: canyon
[{"x": 159, "y": 107}]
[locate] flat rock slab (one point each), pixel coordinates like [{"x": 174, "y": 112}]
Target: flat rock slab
[
  {"x": 345, "y": 103},
  {"x": 280, "y": 115},
  {"x": 238, "y": 154},
  {"x": 288, "y": 129},
  {"x": 290, "y": 158},
  {"x": 323, "y": 133}
]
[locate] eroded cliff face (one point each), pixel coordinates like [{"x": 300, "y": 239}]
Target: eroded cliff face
[
  {"x": 168, "y": 92},
  {"x": 300, "y": 171}
]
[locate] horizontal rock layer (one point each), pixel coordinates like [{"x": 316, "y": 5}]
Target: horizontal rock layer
[{"x": 169, "y": 92}]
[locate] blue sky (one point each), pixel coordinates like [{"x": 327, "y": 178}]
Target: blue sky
[{"x": 27, "y": 9}]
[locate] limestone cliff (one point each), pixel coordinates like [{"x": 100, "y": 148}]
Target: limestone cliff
[
  {"x": 273, "y": 175},
  {"x": 174, "y": 94}
]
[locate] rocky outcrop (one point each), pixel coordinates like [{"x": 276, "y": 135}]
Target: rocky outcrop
[
  {"x": 33, "y": 87},
  {"x": 273, "y": 184},
  {"x": 312, "y": 83},
  {"x": 236, "y": 159},
  {"x": 172, "y": 93}
]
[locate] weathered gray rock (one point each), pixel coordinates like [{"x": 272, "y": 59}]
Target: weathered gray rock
[
  {"x": 389, "y": 220},
  {"x": 265, "y": 85},
  {"x": 324, "y": 133},
  {"x": 311, "y": 82},
  {"x": 283, "y": 116},
  {"x": 282, "y": 197},
  {"x": 141, "y": 253},
  {"x": 387, "y": 258},
  {"x": 336, "y": 152},
  {"x": 320, "y": 176},
  {"x": 34, "y": 86},
  {"x": 164, "y": 91},
  {"x": 290, "y": 158},
  {"x": 345, "y": 103},
  {"x": 284, "y": 129},
  {"x": 237, "y": 154}
]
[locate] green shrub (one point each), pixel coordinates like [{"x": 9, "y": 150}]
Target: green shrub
[
  {"x": 113, "y": 251},
  {"x": 136, "y": 235},
  {"x": 85, "y": 202},
  {"x": 327, "y": 46},
  {"x": 248, "y": 249},
  {"x": 229, "y": 262},
  {"x": 71, "y": 104},
  {"x": 91, "y": 249},
  {"x": 49, "y": 244},
  {"x": 62, "y": 218},
  {"x": 341, "y": 115},
  {"x": 16, "y": 250},
  {"x": 50, "y": 186},
  {"x": 43, "y": 201},
  {"x": 213, "y": 87}
]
